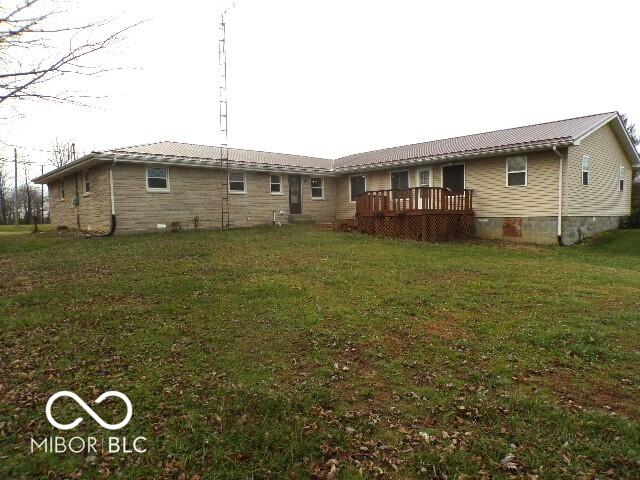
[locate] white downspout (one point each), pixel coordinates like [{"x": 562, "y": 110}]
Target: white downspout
[
  {"x": 113, "y": 205},
  {"x": 560, "y": 182},
  {"x": 113, "y": 199}
]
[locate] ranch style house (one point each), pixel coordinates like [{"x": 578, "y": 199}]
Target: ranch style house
[{"x": 559, "y": 181}]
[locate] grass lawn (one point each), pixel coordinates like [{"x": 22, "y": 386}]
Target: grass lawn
[
  {"x": 295, "y": 353},
  {"x": 23, "y": 229}
]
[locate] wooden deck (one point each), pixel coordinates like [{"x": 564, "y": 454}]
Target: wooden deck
[{"x": 421, "y": 213}]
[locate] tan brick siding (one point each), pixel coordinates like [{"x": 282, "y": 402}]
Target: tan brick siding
[
  {"x": 602, "y": 196},
  {"x": 197, "y": 192},
  {"x": 94, "y": 209}
]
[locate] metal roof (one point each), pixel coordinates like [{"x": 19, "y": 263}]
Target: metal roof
[
  {"x": 530, "y": 137},
  {"x": 213, "y": 153},
  {"x": 540, "y": 135}
]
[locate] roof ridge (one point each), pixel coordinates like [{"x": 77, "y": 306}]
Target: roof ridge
[{"x": 475, "y": 134}]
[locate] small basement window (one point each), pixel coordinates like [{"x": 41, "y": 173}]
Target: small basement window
[
  {"x": 86, "y": 182},
  {"x": 158, "y": 178},
  {"x": 585, "y": 170},
  {"x": 357, "y": 185},
  {"x": 317, "y": 188},
  {"x": 61, "y": 189},
  {"x": 621, "y": 179},
  {"x": 517, "y": 171},
  {"x": 237, "y": 182},
  {"x": 276, "y": 184}
]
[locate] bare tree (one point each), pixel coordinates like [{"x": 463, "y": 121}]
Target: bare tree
[
  {"x": 62, "y": 153},
  {"x": 28, "y": 208},
  {"x": 631, "y": 129},
  {"x": 37, "y": 46}
]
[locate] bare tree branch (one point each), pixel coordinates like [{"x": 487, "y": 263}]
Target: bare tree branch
[{"x": 32, "y": 27}]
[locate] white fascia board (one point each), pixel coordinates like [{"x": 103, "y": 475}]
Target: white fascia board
[
  {"x": 622, "y": 135},
  {"x": 449, "y": 157},
  {"x": 215, "y": 164}
]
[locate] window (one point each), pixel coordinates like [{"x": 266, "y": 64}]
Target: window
[
  {"x": 585, "y": 170},
  {"x": 400, "y": 180},
  {"x": 424, "y": 177},
  {"x": 621, "y": 182},
  {"x": 86, "y": 182},
  {"x": 237, "y": 183},
  {"x": 157, "y": 178},
  {"x": 61, "y": 189},
  {"x": 517, "y": 171},
  {"x": 276, "y": 184},
  {"x": 317, "y": 188},
  {"x": 357, "y": 185}
]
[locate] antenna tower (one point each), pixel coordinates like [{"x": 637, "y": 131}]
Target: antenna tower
[{"x": 224, "y": 148}]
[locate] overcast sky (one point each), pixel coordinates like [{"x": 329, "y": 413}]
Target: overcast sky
[{"x": 329, "y": 78}]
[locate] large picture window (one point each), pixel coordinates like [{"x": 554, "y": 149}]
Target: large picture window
[
  {"x": 157, "y": 178},
  {"x": 517, "y": 171},
  {"x": 357, "y": 185}
]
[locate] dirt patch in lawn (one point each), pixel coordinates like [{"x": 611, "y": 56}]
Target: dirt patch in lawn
[{"x": 579, "y": 394}]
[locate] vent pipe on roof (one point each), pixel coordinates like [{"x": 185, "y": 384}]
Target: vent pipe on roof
[{"x": 560, "y": 173}]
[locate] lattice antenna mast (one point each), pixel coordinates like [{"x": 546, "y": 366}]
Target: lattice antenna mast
[{"x": 224, "y": 122}]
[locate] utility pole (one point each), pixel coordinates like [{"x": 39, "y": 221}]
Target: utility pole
[
  {"x": 15, "y": 185},
  {"x": 42, "y": 197}
]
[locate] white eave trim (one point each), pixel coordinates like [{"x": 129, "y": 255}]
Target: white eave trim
[{"x": 211, "y": 163}]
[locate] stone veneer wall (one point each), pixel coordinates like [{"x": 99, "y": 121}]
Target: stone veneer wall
[{"x": 543, "y": 229}]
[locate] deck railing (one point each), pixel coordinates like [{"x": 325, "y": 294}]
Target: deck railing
[{"x": 416, "y": 199}]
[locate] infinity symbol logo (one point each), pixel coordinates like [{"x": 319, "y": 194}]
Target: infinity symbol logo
[{"x": 88, "y": 409}]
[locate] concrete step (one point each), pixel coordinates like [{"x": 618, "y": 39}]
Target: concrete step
[{"x": 301, "y": 219}]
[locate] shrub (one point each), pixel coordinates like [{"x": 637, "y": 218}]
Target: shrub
[{"x": 633, "y": 220}]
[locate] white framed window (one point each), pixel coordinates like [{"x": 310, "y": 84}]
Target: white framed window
[
  {"x": 621, "y": 179},
  {"x": 86, "y": 182},
  {"x": 357, "y": 185},
  {"x": 517, "y": 171},
  {"x": 275, "y": 184},
  {"x": 158, "y": 179},
  {"x": 317, "y": 188},
  {"x": 424, "y": 177},
  {"x": 585, "y": 170},
  {"x": 237, "y": 182},
  {"x": 61, "y": 192},
  {"x": 400, "y": 180}
]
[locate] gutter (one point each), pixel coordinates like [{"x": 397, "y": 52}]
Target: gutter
[
  {"x": 466, "y": 155},
  {"x": 560, "y": 182}
]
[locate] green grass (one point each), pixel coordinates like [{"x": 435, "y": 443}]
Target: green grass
[
  {"x": 287, "y": 353},
  {"x": 23, "y": 229}
]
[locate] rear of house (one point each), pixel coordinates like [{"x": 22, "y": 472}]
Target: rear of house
[{"x": 559, "y": 180}]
